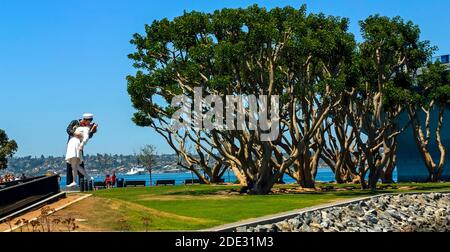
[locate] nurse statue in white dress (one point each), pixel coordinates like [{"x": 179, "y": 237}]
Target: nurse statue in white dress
[{"x": 74, "y": 153}]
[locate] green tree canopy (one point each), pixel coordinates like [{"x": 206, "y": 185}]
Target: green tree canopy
[
  {"x": 309, "y": 60},
  {"x": 7, "y": 149},
  {"x": 283, "y": 51},
  {"x": 147, "y": 155}
]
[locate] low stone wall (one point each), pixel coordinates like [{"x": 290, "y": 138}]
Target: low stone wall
[{"x": 387, "y": 213}]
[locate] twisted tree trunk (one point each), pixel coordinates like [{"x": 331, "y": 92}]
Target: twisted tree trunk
[{"x": 422, "y": 140}]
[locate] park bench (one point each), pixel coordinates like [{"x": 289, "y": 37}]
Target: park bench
[
  {"x": 18, "y": 195},
  {"x": 99, "y": 185},
  {"x": 165, "y": 182},
  {"x": 134, "y": 183},
  {"x": 193, "y": 181}
]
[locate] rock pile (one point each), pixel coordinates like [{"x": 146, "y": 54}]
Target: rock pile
[{"x": 387, "y": 213}]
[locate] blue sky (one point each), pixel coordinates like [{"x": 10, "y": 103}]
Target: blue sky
[{"x": 59, "y": 59}]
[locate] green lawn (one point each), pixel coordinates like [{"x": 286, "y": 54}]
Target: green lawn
[{"x": 202, "y": 206}]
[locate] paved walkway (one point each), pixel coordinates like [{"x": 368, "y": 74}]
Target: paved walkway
[{"x": 70, "y": 199}]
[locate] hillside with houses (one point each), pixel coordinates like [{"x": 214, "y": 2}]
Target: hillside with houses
[{"x": 97, "y": 164}]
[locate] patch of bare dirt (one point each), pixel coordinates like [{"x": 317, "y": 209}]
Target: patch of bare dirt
[
  {"x": 30, "y": 215},
  {"x": 100, "y": 214},
  {"x": 407, "y": 188}
]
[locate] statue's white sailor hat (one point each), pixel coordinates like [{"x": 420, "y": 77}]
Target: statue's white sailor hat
[{"x": 88, "y": 116}]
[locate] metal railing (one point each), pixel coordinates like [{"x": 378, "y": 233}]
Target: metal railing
[{"x": 18, "y": 195}]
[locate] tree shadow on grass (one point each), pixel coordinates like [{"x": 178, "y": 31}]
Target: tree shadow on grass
[
  {"x": 329, "y": 189},
  {"x": 206, "y": 191},
  {"x": 235, "y": 192}
]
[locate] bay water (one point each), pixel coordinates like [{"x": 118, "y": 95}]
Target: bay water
[{"x": 323, "y": 175}]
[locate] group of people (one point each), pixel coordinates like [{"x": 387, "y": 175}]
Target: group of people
[
  {"x": 7, "y": 178},
  {"x": 110, "y": 181},
  {"x": 79, "y": 131},
  {"x": 10, "y": 177}
]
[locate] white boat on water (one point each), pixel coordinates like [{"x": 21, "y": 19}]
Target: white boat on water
[{"x": 136, "y": 171}]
